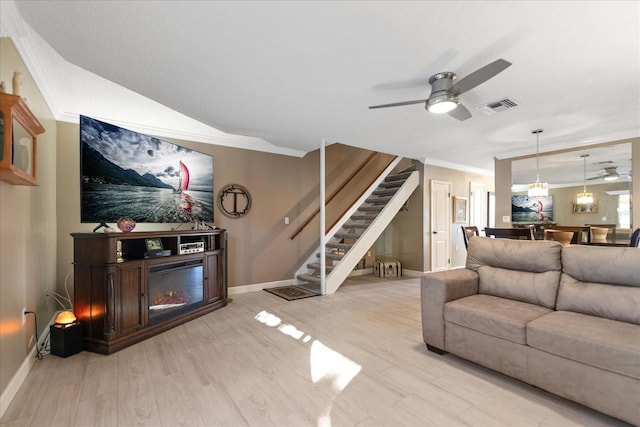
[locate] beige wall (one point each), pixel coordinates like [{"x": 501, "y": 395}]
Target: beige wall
[
  {"x": 607, "y": 205},
  {"x": 562, "y": 213},
  {"x": 259, "y": 246},
  {"x": 27, "y": 234},
  {"x": 460, "y": 186},
  {"x": 408, "y": 237}
]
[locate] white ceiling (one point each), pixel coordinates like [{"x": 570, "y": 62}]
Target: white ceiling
[{"x": 282, "y": 76}]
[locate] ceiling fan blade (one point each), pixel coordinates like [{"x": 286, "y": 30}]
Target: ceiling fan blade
[
  {"x": 595, "y": 177},
  {"x": 398, "y": 104},
  {"x": 479, "y": 76},
  {"x": 460, "y": 113}
]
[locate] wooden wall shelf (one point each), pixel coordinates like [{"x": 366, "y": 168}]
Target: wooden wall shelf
[{"x": 19, "y": 129}]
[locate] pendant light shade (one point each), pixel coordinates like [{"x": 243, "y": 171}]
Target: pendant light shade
[
  {"x": 538, "y": 189},
  {"x": 584, "y": 198}
]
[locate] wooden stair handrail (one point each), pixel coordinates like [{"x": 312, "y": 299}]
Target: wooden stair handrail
[{"x": 340, "y": 188}]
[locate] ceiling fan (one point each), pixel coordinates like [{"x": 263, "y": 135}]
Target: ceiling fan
[
  {"x": 445, "y": 90},
  {"x": 610, "y": 174}
]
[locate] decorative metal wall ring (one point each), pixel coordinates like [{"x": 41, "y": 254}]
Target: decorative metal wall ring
[{"x": 234, "y": 201}]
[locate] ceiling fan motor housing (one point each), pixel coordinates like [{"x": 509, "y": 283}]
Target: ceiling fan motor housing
[{"x": 440, "y": 84}]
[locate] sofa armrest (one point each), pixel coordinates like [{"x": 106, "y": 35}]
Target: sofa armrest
[{"x": 435, "y": 291}]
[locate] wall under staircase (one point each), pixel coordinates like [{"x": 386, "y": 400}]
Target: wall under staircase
[{"x": 358, "y": 229}]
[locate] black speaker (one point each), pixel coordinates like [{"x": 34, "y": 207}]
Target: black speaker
[{"x": 66, "y": 340}]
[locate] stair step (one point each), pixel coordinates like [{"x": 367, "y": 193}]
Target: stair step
[
  {"x": 345, "y": 246},
  {"x": 352, "y": 236},
  {"x": 316, "y": 266},
  {"x": 370, "y": 208},
  {"x": 328, "y": 255},
  {"x": 409, "y": 169},
  {"x": 397, "y": 177},
  {"x": 309, "y": 278},
  {"x": 379, "y": 200},
  {"x": 385, "y": 192},
  {"x": 354, "y": 226},
  {"x": 364, "y": 217},
  {"x": 391, "y": 184}
]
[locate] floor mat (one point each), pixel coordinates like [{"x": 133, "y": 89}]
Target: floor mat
[{"x": 291, "y": 293}]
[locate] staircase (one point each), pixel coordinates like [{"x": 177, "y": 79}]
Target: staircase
[{"x": 350, "y": 239}]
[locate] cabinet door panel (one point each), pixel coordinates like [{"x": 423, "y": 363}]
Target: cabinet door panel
[
  {"x": 131, "y": 298},
  {"x": 213, "y": 277}
]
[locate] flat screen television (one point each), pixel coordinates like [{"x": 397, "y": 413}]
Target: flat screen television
[
  {"x": 531, "y": 209},
  {"x": 129, "y": 174}
]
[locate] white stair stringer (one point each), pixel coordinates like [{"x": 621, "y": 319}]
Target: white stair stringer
[
  {"x": 343, "y": 268},
  {"x": 358, "y": 229}
]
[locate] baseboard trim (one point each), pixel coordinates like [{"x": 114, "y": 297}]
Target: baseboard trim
[
  {"x": 411, "y": 273},
  {"x": 236, "y": 290},
  {"x": 361, "y": 272},
  {"x": 16, "y": 382}
]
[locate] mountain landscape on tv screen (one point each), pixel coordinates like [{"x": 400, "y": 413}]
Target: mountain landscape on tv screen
[{"x": 125, "y": 173}]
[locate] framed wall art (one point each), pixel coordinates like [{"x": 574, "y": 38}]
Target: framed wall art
[
  {"x": 460, "y": 209},
  {"x": 584, "y": 208},
  {"x": 153, "y": 244}
]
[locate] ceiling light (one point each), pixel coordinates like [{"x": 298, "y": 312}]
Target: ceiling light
[
  {"x": 442, "y": 104},
  {"x": 538, "y": 189},
  {"x": 584, "y": 198}
]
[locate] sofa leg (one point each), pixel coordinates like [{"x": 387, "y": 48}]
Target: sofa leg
[{"x": 435, "y": 349}]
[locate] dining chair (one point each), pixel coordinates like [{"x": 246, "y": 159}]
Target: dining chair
[
  {"x": 510, "y": 233},
  {"x": 564, "y": 237},
  {"x": 635, "y": 239},
  {"x": 468, "y": 232}
]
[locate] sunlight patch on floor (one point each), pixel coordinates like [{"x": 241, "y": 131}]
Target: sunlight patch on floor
[{"x": 325, "y": 363}]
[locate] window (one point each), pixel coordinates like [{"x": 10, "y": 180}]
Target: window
[{"x": 624, "y": 211}]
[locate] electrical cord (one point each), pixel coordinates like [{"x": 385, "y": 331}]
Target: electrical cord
[
  {"x": 40, "y": 351},
  {"x": 59, "y": 297}
]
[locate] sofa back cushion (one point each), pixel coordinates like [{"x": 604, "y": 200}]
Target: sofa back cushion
[
  {"x": 522, "y": 270},
  {"x": 601, "y": 281}
]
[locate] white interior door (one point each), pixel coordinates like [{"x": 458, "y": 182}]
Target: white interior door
[
  {"x": 477, "y": 211},
  {"x": 440, "y": 225}
]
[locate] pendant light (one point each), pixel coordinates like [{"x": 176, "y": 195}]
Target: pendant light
[
  {"x": 584, "y": 198},
  {"x": 538, "y": 189}
]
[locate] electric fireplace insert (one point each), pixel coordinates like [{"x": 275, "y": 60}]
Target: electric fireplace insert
[{"x": 174, "y": 289}]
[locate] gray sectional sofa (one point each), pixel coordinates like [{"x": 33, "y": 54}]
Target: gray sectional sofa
[{"x": 565, "y": 319}]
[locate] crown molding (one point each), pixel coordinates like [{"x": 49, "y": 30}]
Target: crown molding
[{"x": 458, "y": 167}]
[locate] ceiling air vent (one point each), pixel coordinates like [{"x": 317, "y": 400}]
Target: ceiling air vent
[{"x": 497, "y": 106}]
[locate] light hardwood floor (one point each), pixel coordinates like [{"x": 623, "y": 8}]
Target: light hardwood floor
[{"x": 355, "y": 358}]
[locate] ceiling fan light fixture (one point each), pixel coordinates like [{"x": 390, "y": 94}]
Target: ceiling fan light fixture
[
  {"x": 442, "y": 104},
  {"x": 538, "y": 189},
  {"x": 584, "y": 198},
  {"x": 611, "y": 177}
]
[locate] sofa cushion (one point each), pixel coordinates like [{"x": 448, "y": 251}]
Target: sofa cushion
[
  {"x": 598, "y": 299},
  {"x": 535, "y": 256},
  {"x": 601, "y": 281},
  {"x": 595, "y": 341},
  {"x": 602, "y": 264},
  {"x": 524, "y": 270},
  {"x": 534, "y": 288},
  {"x": 495, "y": 316}
]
